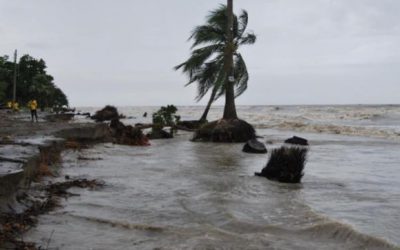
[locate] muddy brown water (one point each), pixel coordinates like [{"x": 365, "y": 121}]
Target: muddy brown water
[{"x": 177, "y": 194}]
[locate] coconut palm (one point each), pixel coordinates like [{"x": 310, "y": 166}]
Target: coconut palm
[{"x": 210, "y": 64}]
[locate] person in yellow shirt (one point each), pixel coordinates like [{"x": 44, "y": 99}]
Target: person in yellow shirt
[
  {"x": 15, "y": 106},
  {"x": 33, "y": 107}
]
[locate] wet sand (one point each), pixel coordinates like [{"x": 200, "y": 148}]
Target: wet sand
[{"x": 18, "y": 125}]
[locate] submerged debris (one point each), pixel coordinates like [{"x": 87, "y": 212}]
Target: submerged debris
[
  {"x": 255, "y": 147},
  {"x": 285, "y": 164},
  {"x": 106, "y": 114},
  {"x": 60, "y": 188},
  {"x": 189, "y": 125},
  {"x": 127, "y": 135},
  {"x": 160, "y": 134},
  {"x": 83, "y": 158},
  {"x": 297, "y": 141}
]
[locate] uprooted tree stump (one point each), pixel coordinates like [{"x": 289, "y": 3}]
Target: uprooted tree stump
[
  {"x": 295, "y": 140},
  {"x": 127, "y": 135},
  {"x": 285, "y": 164},
  {"x": 108, "y": 113},
  {"x": 254, "y": 146},
  {"x": 225, "y": 131}
]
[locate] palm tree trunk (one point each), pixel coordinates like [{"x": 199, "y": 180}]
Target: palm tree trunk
[
  {"x": 212, "y": 97},
  {"x": 230, "y": 108}
]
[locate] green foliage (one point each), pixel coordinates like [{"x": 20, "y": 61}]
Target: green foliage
[
  {"x": 3, "y": 87},
  {"x": 206, "y": 64},
  {"x": 4, "y": 78},
  {"x": 58, "y": 98},
  {"x": 33, "y": 82},
  {"x": 165, "y": 116}
]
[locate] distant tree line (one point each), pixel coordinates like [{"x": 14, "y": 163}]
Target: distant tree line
[{"x": 33, "y": 82}]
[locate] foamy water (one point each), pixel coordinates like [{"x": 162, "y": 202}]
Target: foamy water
[
  {"x": 177, "y": 194},
  {"x": 381, "y": 121}
]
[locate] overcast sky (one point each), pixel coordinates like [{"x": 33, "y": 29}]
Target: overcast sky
[{"x": 122, "y": 52}]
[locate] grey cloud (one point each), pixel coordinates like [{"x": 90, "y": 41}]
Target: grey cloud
[{"x": 123, "y": 52}]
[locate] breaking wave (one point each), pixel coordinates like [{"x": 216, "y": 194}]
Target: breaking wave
[
  {"x": 335, "y": 129},
  {"x": 380, "y": 121},
  {"x": 333, "y": 235},
  {"x": 120, "y": 224},
  {"x": 346, "y": 236}
]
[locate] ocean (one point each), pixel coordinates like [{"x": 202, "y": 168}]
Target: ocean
[{"x": 178, "y": 194}]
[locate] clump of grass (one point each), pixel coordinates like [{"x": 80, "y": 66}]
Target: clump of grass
[{"x": 286, "y": 164}]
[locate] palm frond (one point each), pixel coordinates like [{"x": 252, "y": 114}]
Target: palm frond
[
  {"x": 207, "y": 34},
  {"x": 219, "y": 78},
  {"x": 207, "y": 78},
  {"x": 242, "y": 23},
  {"x": 198, "y": 59},
  {"x": 206, "y": 64},
  {"x": 217, "y": 17},
  {"x": 241, "y": 75},
  {"x": 220, "y": 82},
  {"x": 248, "y": 38}
]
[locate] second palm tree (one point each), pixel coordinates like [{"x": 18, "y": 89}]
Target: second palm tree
[{"x": 217, "y": 65}]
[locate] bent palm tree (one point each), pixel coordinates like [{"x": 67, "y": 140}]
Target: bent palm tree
[{"x": 207, "y": 66}]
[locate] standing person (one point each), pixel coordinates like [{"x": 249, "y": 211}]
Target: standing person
[
  {"x": 15, "y": 106},
  {"x": 33, "y": 107}
]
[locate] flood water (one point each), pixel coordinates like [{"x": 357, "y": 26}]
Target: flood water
[{"x": 177, "y": 194}]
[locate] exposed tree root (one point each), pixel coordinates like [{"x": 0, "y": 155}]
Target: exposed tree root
[{"x": 225, "y": 131}]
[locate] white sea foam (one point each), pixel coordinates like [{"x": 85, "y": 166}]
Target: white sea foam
[{"x": 380, "y": 121}]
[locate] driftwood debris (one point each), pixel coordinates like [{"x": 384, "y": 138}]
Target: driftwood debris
[{"x": 13, "y": 225}]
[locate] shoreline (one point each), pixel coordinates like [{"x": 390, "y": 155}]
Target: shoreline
[{"x": 29, "y": 153}]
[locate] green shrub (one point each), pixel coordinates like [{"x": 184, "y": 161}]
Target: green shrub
[{"x": 165, "y": 116}]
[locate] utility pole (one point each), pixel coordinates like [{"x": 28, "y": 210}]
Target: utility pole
[{"x": 15, "y": 78}]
